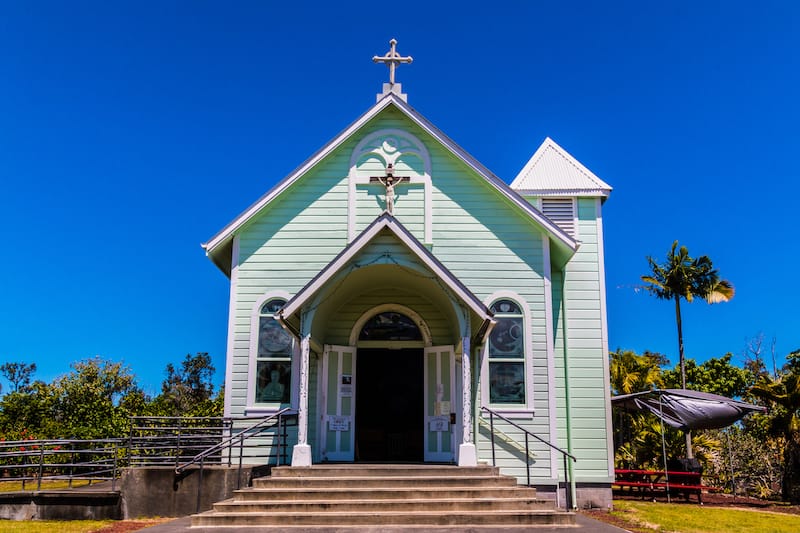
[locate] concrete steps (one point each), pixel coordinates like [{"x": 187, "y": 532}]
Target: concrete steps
[{"x": 386, "y": 496}]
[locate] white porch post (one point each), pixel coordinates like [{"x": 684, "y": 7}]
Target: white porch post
[
  {"x": 467, "y": 454},
  {"x": 301, "y": 454}
]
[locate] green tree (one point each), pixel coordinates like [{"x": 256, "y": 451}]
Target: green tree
[
  {"x": 681, "y": 277},
  {"x": 631, "y": 372},
  {"x": 716, "y": 375},
  {"x": 747, "y": 464},
  {"x": 28, "y": 413},
  {"x": 19, "y": 375},
  {"x": 187, "y": 390},
  {"x": 92, "y": 400},
  {"x": 782, "y": 395}
]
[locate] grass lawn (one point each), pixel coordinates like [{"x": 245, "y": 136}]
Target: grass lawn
[
  {"x": 78, "y": 526},
  {"x": 685, "y": 518},
  {"x": 15, "y": 486},
  {"x": 42, "y": 526}
]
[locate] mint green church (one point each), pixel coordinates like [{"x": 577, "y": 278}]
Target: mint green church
[{"x": 392, "y": 289}]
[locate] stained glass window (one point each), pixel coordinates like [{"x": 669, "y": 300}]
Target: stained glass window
[
  {"x": 273, "y": 358},
  {"x": 507, "y": 354},
  {"x": 390, "y": 326}
]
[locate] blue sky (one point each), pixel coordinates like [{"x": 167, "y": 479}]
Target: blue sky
[{"x": 130, "y": 132}]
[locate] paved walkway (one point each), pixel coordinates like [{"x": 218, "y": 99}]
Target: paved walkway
[{"x": 584, "y": 525}]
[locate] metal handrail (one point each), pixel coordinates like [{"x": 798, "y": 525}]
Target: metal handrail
[
  {"x": 70, "y": 460},
  {"x": 564, "y": 454},
  {"x": 227, "y": 443}
]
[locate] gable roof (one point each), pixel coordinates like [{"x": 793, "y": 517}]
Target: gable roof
[
  {"x": 220, "y": 243},
  {"x": 552, "y": 171},
  {"x": 388, "y": 222}
]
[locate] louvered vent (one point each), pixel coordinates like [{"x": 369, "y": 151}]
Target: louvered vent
[{"x": 561, "y": 211}]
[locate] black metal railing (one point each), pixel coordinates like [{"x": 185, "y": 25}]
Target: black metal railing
[
  {"x": 275, "y": 424},
  {"x": 528, "y": 434},
  {"x": 168, "y": 440},
  {"x": 173, "y": 442},
  {"x": 79, "y": 463}
]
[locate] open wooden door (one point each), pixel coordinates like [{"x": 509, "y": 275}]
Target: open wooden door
[
  {"x": 338, "y": 402},
  {"x": 439, "y": 404}
]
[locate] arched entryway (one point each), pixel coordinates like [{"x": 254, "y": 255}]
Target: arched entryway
[
  {"x": 390, "y": 405},
  {"x": 390, "y": 402}
]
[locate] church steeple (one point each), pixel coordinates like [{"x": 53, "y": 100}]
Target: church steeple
[{"x": 392, "y": 59}]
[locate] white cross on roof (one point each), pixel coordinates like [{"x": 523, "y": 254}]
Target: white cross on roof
[{"x": 392, "y": 59}]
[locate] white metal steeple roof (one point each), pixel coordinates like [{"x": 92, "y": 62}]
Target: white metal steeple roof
[{"x": 552, "y": 171}]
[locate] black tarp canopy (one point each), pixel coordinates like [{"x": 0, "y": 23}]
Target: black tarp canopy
[{"x": 687, "y": 409}]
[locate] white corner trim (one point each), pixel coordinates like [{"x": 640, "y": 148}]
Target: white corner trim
[
  {"x": 601, "y": 259},
  {"x": 551, "y": 355},
  {"x": 231, "y": 345}
]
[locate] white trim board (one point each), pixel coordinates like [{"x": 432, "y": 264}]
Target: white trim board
[
  {"x": 554, "y": 232},
  {"x": 385, "y": 221}
]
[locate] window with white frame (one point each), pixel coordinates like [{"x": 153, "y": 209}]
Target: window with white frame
[
  {"x": 273, "y": 356},
  {"x": 507, "y": 355}
]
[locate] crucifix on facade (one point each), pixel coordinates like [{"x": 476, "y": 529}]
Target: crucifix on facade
[
  {"x": 392, "y": 59},
  {"x": 390, "y": 181}
]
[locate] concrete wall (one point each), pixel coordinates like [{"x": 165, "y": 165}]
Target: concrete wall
[
  {"x": 158, "y": 492},
  {"x": 60, "y": 505}
]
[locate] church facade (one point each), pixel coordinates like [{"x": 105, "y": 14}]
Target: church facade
[{"x": 392, "y": 290}]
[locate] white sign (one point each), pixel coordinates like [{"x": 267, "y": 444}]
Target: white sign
[
  {"x": 440, "y": 424},
  {"x": 346, "y": 387},
  {"x": 339, "y": 423}
]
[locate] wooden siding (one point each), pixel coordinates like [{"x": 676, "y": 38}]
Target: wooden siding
[
  {"x": 346, "y": 317},
  {"x": 477, "y": 235},
  {"x": 585, "y": 353}
]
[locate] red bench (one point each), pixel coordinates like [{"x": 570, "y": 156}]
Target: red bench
[{"x": 651, "y": 482}]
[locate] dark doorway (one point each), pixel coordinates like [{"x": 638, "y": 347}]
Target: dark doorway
[{"x": 390, "y": 405}]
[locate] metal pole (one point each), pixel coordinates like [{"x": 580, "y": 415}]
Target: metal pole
[
  {"x": 227, "y": 432},
  {"x": 200, "y": 484},
  {"x": 178, "y": 450},
  {"x": 71, "y": 464},
  {"x": 114, "y": 473},
  {"x": 527, "y": 459},
  {"x": 730, "y": 463},
  {"x": 491, "y": 431},
  {"x": 567, "y": 485},
  {"x": 664, "y": 446},
  {"x": 280, "y": 441},
  {"x": 130, "y": 442},
  {"x": 239, "y": 474},
  {"x": 41, "y": 466}
]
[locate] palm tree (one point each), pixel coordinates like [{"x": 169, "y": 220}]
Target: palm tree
[
  {"x": 681, "y": 277},
  {"x": 784, "y": 393},
  {"x": 631, "y": 372}
]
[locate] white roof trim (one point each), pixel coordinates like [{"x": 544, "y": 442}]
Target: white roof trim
[
  {"x": 284, "y": 184},
  {"x": 562, "y": 192},
  {"x": 553, "y": 230},
  {"x": 580, "y": 182},
  {"x": 357, "y": 245}
]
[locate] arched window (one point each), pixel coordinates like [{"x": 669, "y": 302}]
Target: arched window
[
  {"x": 273, "y": 357},
  {"x": 390, "y": 326},
  {"x": 507, "y": 355}
]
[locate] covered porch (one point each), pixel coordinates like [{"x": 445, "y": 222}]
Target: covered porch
[{"x": 395, "y": 333}]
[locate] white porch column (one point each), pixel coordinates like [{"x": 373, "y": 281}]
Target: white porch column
[
  {"x": 467, "y": 454},
  {"x": 301, "y": 454}
]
